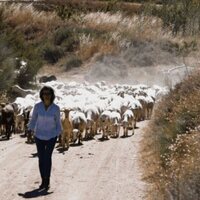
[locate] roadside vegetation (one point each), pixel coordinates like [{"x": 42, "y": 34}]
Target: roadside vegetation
[{"x": 171, "y": 152}]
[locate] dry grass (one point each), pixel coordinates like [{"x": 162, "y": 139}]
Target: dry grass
[
  {"x": 87, "y": 33},
  {"x": 28, "y": 20},
  {"x": 90, "y": 47},
  {"x": 94, "y": 6},
  {"x": 137, "y": 26},
  {"x": 171, "y": 152}
]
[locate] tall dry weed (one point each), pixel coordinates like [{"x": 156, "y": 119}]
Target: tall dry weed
[
  {"x": 171, "y": 144},
  {"x": 90, "y": 46},
  {"x": 137, "y": 25},
  {"x": 26, "y": 18}
]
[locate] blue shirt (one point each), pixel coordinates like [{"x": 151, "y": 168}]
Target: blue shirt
[{"x": 46, "y": 124}]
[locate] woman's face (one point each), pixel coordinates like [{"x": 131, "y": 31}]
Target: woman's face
[{"x": 46, "y": 94}]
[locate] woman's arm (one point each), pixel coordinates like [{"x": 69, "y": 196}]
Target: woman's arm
[
  {"x": 58, "y": 122},
  {"x": 32, "y": 122}
]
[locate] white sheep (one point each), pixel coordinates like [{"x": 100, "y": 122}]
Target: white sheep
[
  {"x": 115, "y": 123},
  {"x": 92, "y": 117},
  {"x": 128, "y": 121}
]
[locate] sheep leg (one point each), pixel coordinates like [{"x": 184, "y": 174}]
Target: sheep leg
[
  {"x": 103, "y": 133},
  {"x": 96, "y": 128},
  {"x": 94, "y": 131},
  {"x": 87, "y": 133},
  {"x": 118, "y": 131},
  {"x": 126, "y": 132},
  {"x": 63, "y": 140},
  {"x": 80, "y": 138},
  {"x": 91, "y": 132},
  {"x": 133, "y": 130},
  {"x": 107, "y": 132},
  {"x": 67, "y": 140},
  {"x": 123, "y": 131}
]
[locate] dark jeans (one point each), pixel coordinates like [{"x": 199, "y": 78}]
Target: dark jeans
[{"x": 45, "y": 150}]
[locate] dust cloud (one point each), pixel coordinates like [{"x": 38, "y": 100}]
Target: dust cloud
[
  {"x": 143, "y": 62},
  {"x": 151, "y": 63}
]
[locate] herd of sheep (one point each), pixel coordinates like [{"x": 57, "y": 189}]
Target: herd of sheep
[{"x": 90, "y": 109}]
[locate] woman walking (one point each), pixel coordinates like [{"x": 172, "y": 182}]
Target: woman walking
[{"x": 46, "y": 125}]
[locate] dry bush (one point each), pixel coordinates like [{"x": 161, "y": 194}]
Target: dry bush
[
  {"x": 89, "y": 47},
  {"x": 51, "y": 53},
  {"x": 72, "y": 61},
  {"x": 137, "y": 26},
  {"x": 183, "y": 173},
  {"x": 27, "y": 19},
  {"x": 7, "y": 74},
  {"x": 171, "y": 151},
  {"x": 93, "y": 6}
]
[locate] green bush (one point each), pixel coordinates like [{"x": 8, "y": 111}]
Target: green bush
[
  {"x": 181, "y": 16},
  {"x": 51, "y": 53},
  {"x": 27, "y": 75},
  {"x": 12, "y": 46},
  {"x": 65, "y": 11},
  {"x": 61, "y": 35},
  {"x": 7, "y": 74},
  {"x": 73, "y": 62},
  {"x": 70, "y": 45},
  {"x": 2, "y": 24}
]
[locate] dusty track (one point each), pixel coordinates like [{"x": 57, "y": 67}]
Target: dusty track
[{"x": 97, "y": 170}]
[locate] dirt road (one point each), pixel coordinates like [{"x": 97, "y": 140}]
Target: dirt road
[{"x": 97, "y": 170}]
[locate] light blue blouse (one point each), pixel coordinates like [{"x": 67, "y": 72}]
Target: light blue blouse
[{"x": 46, "y": 124}]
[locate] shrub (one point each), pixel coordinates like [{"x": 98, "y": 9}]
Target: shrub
[
  {"x": 2, "y": 24},
  {"x": 174, "y": 143},
  {"x": 14, "y": 45},
  {"x": 28, "y": 73},
  {"x": 26, "y": 17},
  {"x": 89, "y": 48},
  {"x": 51, "y": 53},
  {"x": 70, "y": 45},
  {"x": 181, "y": 16},
  {"x": 61, "y": 35},
  {"x": 65, "y": 11},
  {"x": 67, "y": 39},
  {"x": 73, "y": 62},
  {"x": 7, "y": 74}
]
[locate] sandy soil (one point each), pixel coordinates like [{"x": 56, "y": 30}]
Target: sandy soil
[{"x": 96, "y": 170}]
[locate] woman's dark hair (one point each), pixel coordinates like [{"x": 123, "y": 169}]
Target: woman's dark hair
[{"x": 47, "y": 88}]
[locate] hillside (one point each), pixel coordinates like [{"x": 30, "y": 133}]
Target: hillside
[{"x": 68, "y": 38}]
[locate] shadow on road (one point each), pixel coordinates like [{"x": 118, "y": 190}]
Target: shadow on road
[
  {"x": 23, "y": 135},
  {"x": 34, "y": 193},
  {"x": 62, "y": 150},
  {"x": 3, "y": 139},
  {"x": 114, "y": 137},
  {"x": 88, "y": 139},
  {"x": 103, "y": 139},
  {"x": 76, "y": 144},
  {"x": 126, "y": 136},
  {"x": 33, "y": 155}
]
